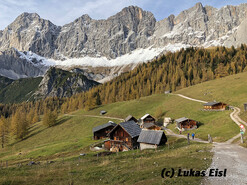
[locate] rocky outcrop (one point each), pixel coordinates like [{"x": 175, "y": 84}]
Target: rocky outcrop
[
  {"x": 60, "y": 83},
  {"x": 13, "y": 65}
]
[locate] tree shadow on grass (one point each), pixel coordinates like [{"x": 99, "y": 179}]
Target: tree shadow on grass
[
  {"x": 199, "y": 124},
  {"x": 62, "y": 120},
  {"x": 33, "y": 127}
]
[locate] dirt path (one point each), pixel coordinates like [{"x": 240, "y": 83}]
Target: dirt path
[
  {"x": 171, "y": 133},
  {"x": 94, "y": 116},
  {"x": 192, "y": 99},
  {"x": 232, "y": 158},
  {"x": 228, "y": 156},
  {"x": 234, "y": 115}
]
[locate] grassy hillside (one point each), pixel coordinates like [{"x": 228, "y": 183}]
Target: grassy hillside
[
  {"x": 133, "y": 167},
  {"x": 19, "y": 90},
  {"x": 218, "y": 124},
  {"x": 73, "y": 135}
]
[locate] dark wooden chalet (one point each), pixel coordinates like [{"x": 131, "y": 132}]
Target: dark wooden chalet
[
  {"x": 150, "y": 126},
  {"x": 123, "y": 137},
  {"x": 186, "y": 123},
  {"x": 147, "y": 118},
  {"x": 215, "y": 106},
  {"x": 131, "y": 118},
  {"x": 151, "y": 139},
  {"x": 101, "y": 131}
]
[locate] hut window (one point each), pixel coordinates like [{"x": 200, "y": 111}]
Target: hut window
[{"x": 127, "y": 139}]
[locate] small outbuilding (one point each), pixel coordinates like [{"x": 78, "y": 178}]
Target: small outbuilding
[
  {"x": 147, "y": 118},
  {"x": 131, "y": 118},
  {"x": 123, "y": 137},
  {"x": 151, "y": 139},
  {"x": 102, "y": 112},
  {"x": 186, "y": 123},
  {"x": 101, "y": 131},
  {"x": 215, "y": 106}
]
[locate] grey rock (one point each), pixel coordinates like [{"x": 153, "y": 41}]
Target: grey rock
[
  {"x": 60, "y": 83},
  {"x": 128, "y": 30},
  {"x": 13, "y": 66}
]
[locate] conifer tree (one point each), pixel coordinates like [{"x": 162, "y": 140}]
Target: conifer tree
[{"x": 4, "y": 131}]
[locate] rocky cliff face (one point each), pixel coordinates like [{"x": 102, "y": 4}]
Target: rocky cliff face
[
  {"x": 118, "y": 35},
  {"x": 13, "y": 65},
  {"x": 128, "y": 31},
  {"x": 30, "y": 33},
  {"x": 60, "y": 83},
  {"x": 201, "y": 26}
]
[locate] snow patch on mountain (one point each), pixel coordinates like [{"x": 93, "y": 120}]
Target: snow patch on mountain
[{"x": 135, "y": 57}]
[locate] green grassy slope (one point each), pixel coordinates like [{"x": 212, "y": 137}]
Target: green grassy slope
[
  {"x": 19, "y": 90},
  {"x": 218, "y": 124},
  {"x": 231, "y": 90},
  {"x": 73, "y": 135},
  {"x": 133, "y": 167}
]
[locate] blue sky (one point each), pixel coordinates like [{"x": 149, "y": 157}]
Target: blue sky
[{"x": 61, "y": 12}]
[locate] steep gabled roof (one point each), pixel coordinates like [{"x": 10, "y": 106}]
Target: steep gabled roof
[
  {"x": 130, "y": 127},
  {"x": 181, "y": 119},
  {"x": 145, "y": 116},
  {"x": 150, "y": 136},
  {"x": 211, "y": 103},
  {"x": 110, "y": 123},
  {"x": 130, "y": 117}
]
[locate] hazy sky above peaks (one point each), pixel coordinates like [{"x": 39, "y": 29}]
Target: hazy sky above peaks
[{"x": 61, "y": 12}]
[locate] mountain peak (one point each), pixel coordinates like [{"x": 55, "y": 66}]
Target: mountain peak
[
  {"x": 28, "y": 15},
  {"x": 199, "y": 5}
]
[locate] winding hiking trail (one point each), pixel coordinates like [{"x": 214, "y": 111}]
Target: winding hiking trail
[
  {"x": 227, "y": 156},
  {"x": 94, "y": 116}
]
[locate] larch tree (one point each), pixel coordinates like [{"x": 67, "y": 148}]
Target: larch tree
[{"x": 4, "y": 131}]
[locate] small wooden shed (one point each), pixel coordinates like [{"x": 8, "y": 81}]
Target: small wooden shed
[
  {"x": 151, "y": 139},
  {"x": 131, "y": 118},
  {"x": 102, "y": 112},
  {"x": 101, "y": 131},
  {"x": 147, "y": 118},
  {"x": 215, "y": 106},
  {"x": 186, "y": 123}
]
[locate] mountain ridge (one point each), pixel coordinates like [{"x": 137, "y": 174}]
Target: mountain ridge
[{"x": 130, "y": 37}]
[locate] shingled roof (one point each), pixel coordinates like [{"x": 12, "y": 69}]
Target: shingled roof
[
  {"x": 145, "y": 116},
  {"x": 110, "y": 123},
  {"x": 130, "y": 127},
  {"x": 181, "y": 119},
  {"x": 131, "y": 117},
  {"x": 148, "y": 125},
  {"x": 150, "y": 136},
  {"x": 211, "y": 103}
]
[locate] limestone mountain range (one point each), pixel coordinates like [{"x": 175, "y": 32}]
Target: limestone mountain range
[{"x": 31, "y": 44}]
